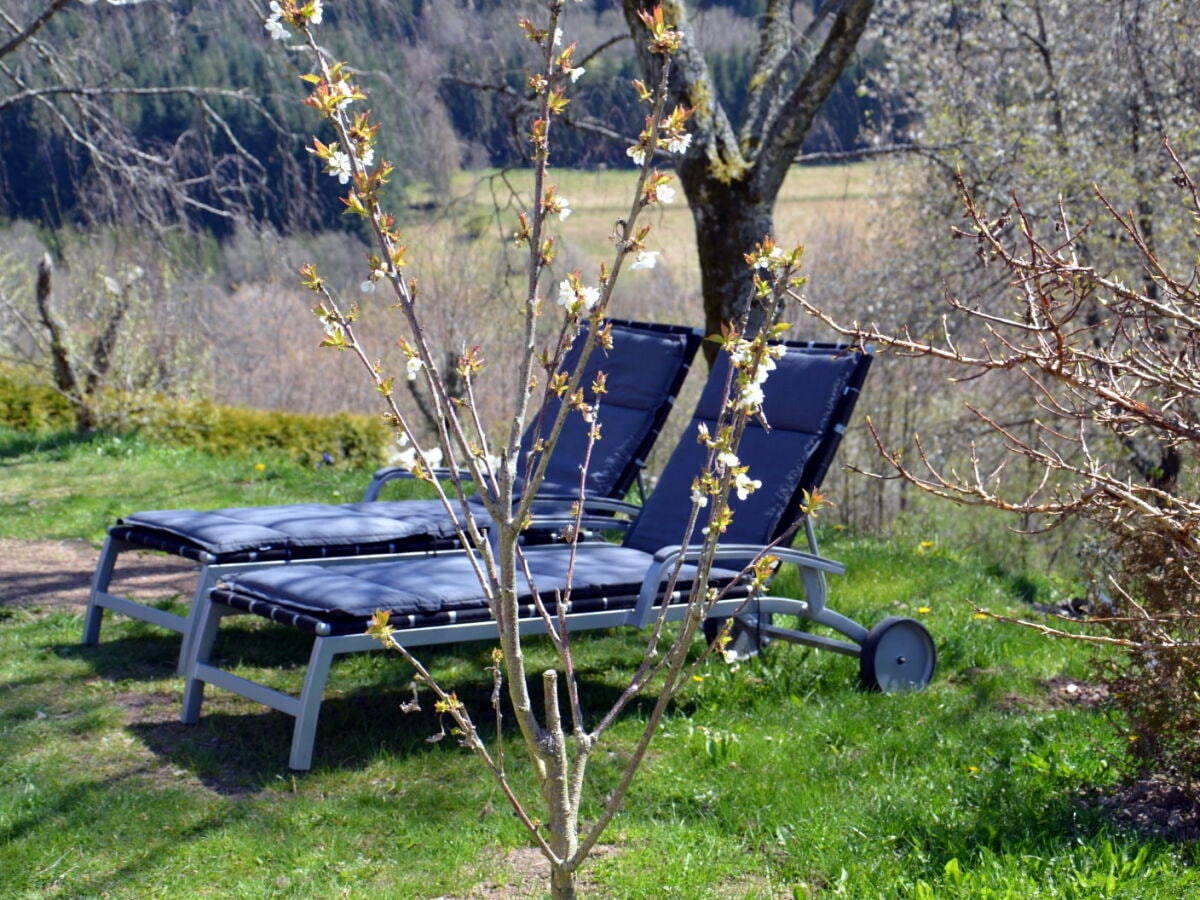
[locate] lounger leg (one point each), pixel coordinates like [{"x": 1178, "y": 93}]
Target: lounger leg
[
  {"x": 100, "y": 582},
  {"x": 208, "y": 580},
  {"x": 304, "y": 734},
  {"x": 206, "y": 621}
]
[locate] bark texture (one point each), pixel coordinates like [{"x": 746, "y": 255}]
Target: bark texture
[{"x": 732, "y": 175}]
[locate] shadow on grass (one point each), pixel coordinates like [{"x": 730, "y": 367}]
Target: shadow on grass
[{"x": 240, "y": 747}]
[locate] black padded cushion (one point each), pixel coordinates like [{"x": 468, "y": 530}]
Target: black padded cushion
[
  {"x": 804, "y": 408},
  {"x": 425, "y": 586},
  {"x": 297, "y": 527}
]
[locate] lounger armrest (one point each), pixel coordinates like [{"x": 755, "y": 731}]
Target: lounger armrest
[
  {"x": 666, "y": 558},
  {"x": 385, "y": 474},
  {"x": 806, "y": 560}
]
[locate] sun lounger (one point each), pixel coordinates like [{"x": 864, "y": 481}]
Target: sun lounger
[
  {"x": 435, "y": 599},
  {"x": 644, "y": 369}
]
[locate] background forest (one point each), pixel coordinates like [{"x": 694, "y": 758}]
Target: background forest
[{"x": 156, "y": 152}]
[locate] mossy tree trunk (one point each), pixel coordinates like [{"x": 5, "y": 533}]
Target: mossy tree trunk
[{"x": 732, "y": 177}]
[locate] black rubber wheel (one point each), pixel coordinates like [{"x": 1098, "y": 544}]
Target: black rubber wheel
[
  {"x": 898, "y": 655},
  {"x": 744, "y": 637}
]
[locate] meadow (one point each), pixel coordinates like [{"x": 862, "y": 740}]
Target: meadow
[{"x": 777, "y": 777}]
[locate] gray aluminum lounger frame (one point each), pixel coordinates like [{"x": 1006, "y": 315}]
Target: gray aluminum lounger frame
[{"x": 434, "y": 599}]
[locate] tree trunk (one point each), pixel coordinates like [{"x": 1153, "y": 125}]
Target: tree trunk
[
  {"x": 730, "y": 219},
  {"x": 65, "y": 378},
  {"x": 733, "y": 176}
]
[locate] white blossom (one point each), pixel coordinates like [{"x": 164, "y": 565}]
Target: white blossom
[
  {"x": 699, "y": 498},
  {"x": 345, "y": 96},
  {"x": 764, "y": 262},
  {"x": 745, "y": 485},
  {"x": 318, "y": 11},
  {"x": 412, "y": 367},
  {"x": 751, "y": 397},
  {"x": 590, "y": 297},
  {"x": 665, "y": 193},
  {"x": 575, "y": 73},
  {"x": 338, "y": 165},
  {"x": 645, "y": 259},
  {"x": 571, "y": 298},
  {"x": 275, "y": 29},
  {"x": 727, "y": 458},
  {"x": 637, "y": 153},
  {"x": 680, "y": 144}
]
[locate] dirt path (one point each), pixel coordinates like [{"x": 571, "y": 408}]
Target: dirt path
[{"x": 58, "y": 573}]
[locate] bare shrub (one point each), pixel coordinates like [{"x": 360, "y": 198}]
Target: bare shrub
[
  {"x": 1108, "y": 359},
  {"x": 114, "y": 323}
]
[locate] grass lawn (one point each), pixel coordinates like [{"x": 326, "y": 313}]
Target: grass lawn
[{"x": 773, "y": 778}]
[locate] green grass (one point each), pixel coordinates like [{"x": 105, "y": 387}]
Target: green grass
[
  {"x": 814, "y": 203},
  {"x": 97, "y": 479},
  {"x": 774, "y": 778}
]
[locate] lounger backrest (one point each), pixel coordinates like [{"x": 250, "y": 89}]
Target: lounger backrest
[
  {"x": 809, "y": 398},
  {"x": 645, "y": 369}
]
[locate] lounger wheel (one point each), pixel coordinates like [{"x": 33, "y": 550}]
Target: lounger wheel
[
  {"x": 897, "y": 655},
  {"x": 744, "y": 637}
]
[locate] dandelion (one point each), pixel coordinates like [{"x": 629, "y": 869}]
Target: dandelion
[
  {"x": 981, "y": 617},
  {"x": 645, "y": 259},
  {"x": 924, "y": 610},
  {"x": 260, "y": 467}
]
